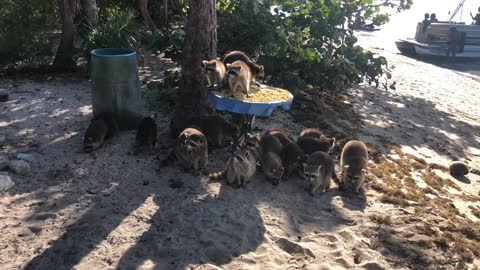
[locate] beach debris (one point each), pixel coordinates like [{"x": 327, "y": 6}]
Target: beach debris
[
  {"x": 458, "y": 168},
  {"x": 3, "y": 162},
  {"x": 3, "y": 96},
  {"x": 19, "y": 167},
  {"x": 6, "y": 182}
]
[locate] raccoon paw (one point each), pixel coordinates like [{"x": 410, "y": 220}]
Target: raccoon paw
[{"x": 236, "y": 186}]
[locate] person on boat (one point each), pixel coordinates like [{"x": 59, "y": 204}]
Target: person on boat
[
  {"x": 476, "y": 18},
  {"x": 426, "y": 22},
  {"x": 452, "y": 43},
  {"x": 360, "y": 23},
  {"x": 433, "y": 18}
]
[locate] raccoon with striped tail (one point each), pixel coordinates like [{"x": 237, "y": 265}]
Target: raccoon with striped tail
[
  {"x": 240, "y": 168},
  {"x": 191, "y": 151}
]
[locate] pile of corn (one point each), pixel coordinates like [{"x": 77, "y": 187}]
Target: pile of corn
[{"x": 257, "y": 94}]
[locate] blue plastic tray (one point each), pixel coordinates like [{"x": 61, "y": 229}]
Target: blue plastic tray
[{"x": 243, "y": 107}]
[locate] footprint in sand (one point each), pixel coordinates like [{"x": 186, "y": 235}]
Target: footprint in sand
[
  {"x": 344, "y": 263},
  {"x": 371, "y": 266},
  {"x": 293, "y": 248},
  {"x": 330, "y": 237},
  {"x": 346, "y": 236}
]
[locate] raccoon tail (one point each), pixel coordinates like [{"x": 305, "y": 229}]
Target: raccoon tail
[
  {"x": 169, "y": 160},
  {"x": 475, "y": 171},
  {"x": 216, "y": 175}
]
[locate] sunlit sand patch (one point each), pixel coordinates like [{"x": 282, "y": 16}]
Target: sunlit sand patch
[{"x": 124, "y": 231}]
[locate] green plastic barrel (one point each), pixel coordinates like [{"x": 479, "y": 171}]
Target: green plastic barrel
[{"x": 116, "y": 86}]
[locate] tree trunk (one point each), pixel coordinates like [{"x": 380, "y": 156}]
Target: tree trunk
[
  {"x": 90, "y": 12},
  {"x": 200, "y": 44},
  {"x": 64, "y": 57},
  {"x": 142, "y": 5},
  {"x": 165, "y": 13}
]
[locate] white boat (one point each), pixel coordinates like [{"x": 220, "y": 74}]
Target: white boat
[{"x": 433, "y": 41}]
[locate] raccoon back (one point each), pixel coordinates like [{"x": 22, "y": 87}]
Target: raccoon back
[
  {"x": 311, "y": 132},
  {"x": 292, "y": 154},
  {"x": 309, "y": 145},
  {"x": 234, "y": 56},
  {"x": 355, "y": 154},
  {"x": 218, "y": 130},
  {"x": 146, "y": 132},
  {"x": 281, "y": 134},
  {"x": 272, "y": 144},
  {"x": 111, "y": 123},
  {"x": 321, "y": 158}
]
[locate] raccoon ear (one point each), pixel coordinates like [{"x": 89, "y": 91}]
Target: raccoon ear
[
  {"x": 346, "y": 167},
  {"x": 204, "y": 62},
  {"x": 246, "y": 153},
  {"x": 228, "y": 65},
  {"x": 364, "y": 171},
  {"x": 214, "y": 64},
  {"x": 304, "y": 165},
  {"x": 319, "y": 168},
  {"x": 261, "y": 68}
]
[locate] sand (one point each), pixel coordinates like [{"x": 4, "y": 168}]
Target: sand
[{"x": 114, "y": 210}]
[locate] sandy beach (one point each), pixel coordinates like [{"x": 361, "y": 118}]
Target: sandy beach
[{"x": 114, "y": 210}]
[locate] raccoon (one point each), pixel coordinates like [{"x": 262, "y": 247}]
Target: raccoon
[
  {"x": 318, "y": 171},
  {"x": 215, "y": 71},
  {"x": 191, "y": 149},
  {"x": 252, "y": 141},
  {"x": 239, "y": 76},
  {"x": 219, "y": 132},
  {"x": 270, "y": 143},
  {"x": 258, "y": 71},
  {"x": 292, "y": 158},
  {"x": 353, "y": 163},
  {"x": 95, "y": 135},
  {"x": 311, "y": 132},
  {"x": 101, "y": 128},
  {"x": 240, "y": 168},
  {"x": 146, "y": 137},
  {"x": 272, "y": 167},
  {"x": 281, "y": 134},
  {"x": 309, "y": 145}
]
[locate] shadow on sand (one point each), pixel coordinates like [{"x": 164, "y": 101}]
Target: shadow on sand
[{"x": 417, "y": 122}]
